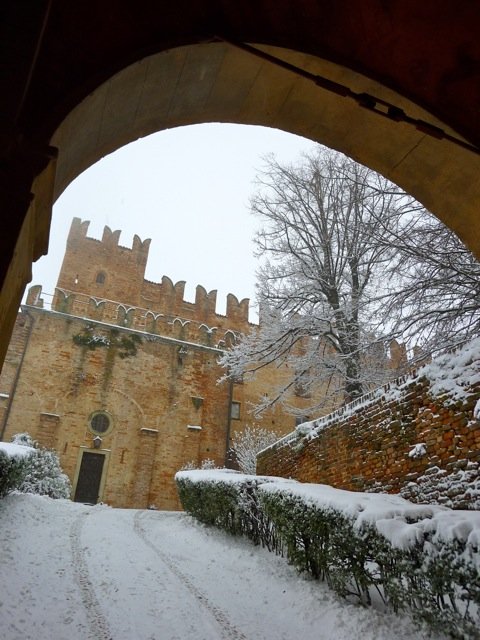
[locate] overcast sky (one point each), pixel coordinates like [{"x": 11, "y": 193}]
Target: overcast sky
[{"x": 188, "y": 190}]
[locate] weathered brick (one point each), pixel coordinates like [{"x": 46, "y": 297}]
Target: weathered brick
[
  {"x": 385, "y": 453},
  {"x": 153, "y": 396}
]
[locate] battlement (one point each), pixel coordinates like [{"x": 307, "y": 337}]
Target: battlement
[
  {"x": 112, "y": 312},
  {"x": 103, "y": 270},
  {"x": 110, "y": 239}
]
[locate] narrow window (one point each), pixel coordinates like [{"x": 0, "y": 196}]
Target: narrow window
[
  {"x": 100, "y": 277},
  {"x": 235, "y": 411}
]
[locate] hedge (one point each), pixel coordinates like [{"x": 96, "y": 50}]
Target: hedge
[
  {"x": 12, "y": 473},
  {"x": 419, "y": 558},
  {"x": 28, "y": 468}
]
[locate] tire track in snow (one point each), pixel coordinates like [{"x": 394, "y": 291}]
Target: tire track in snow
[
  {"x": 98, "y": 623},
  {"x": 228, "y": 630}
]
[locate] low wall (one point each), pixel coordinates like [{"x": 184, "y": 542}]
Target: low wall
[{"x": 419, "y": 437}]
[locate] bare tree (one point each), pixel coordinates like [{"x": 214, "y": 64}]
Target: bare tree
[
  {"x": 438, "y": 300},
  {"x": 247, "y": 443},
  {"x": 322, "y": 275}
]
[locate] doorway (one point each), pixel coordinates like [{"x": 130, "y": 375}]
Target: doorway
[{"x": 89, "y": 484}]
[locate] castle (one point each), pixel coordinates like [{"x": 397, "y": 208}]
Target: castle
[{"x": 121, "y": 375}]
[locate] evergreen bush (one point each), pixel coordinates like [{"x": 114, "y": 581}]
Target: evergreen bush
[
  {"x": 211, "y": 502},
  {"x": 437, "y": 581},
  {"x": 12, "y": 472},
  {"x": 42, "y": 473}
]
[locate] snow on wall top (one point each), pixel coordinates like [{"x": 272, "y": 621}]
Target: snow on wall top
[
  {"x": 454, "y": 373},
  {"x": 449, "y": 373}
]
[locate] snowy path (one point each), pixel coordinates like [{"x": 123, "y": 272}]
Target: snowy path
[{"x": 73, "y": 571}]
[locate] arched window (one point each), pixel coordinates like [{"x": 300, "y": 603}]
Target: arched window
[{"x": 100, "y": 279}]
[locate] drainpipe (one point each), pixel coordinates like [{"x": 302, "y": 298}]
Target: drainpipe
[
  {"x": 17, "y": 374},
  {"x": 229, "y": 419}
]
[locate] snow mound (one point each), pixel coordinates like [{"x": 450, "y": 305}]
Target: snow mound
[
  {"x": 454, "y": 373},
  {"x": 15, "y": 450}
]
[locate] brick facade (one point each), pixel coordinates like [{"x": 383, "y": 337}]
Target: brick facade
[
  {"x": 140, "y": 354},
  {"x": 403, "y": 438}
]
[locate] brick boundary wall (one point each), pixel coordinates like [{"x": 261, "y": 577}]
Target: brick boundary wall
[{"x": 402, "y": 439}]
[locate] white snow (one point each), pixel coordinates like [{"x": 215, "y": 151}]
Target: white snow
[
  {"x": 454, "y": 373},
  {"x": 403, "y": 523},
  {"x": 71, "y": 571},
  {"x": 476, "y": 411},
  {"x": 228, "y": 476},
  {"x": 418, "y": 450},
  {"x": 450, "y": 373},
  {"x": 15, "y": 450}
]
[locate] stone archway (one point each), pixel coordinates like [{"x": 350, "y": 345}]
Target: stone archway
[
  {"x": 88, "y": 77},
  {"x": 219, "y": 82}
]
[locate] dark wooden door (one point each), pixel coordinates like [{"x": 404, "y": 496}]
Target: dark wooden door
[{"x": 89, "y": 478}]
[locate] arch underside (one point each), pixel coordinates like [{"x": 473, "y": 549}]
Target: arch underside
[
  {"x": 86, "y": 78},
  {"x": 218, "y": 82}
]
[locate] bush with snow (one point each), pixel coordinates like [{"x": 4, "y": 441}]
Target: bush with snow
[
  {"x": 12, "y": 466},
  {"x": 12, "y": 470},
  {"x": 211, "y": 502},
  {"x": 42, "y": 473},
  {"x": 247, "y": 443},
  {"x": 419, "y": 557},
  {"x": 226, "y": 499}
]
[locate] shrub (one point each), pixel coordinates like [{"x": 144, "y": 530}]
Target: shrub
[
  {"x": 416, "y": 557},
  {"x": 321, "y": 542},
  {"x": 12, "y": 472},
  {"x": 42, "y": 473},
  {"x": 213, "y": 502},
  {"x": 229, "y": 500},
  {"x": 247, "y": 443}
]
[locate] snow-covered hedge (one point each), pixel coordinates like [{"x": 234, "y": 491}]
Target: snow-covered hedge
[
  {"x": 29, "y": 468},
  {"x": 12, "y": 466},
  {"x": 227, "y": 499},
  {"x": 370, "y": 546}
]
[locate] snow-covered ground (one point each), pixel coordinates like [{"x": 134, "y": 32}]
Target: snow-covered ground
[{"x": 75, "y": 571}]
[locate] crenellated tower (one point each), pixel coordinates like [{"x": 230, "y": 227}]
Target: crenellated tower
[
  {"x": 102, "y": 280},
  {"x": 102, "y": 267}
]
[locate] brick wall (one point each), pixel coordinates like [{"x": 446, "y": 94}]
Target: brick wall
[
  {"x": 96, "y": 273},
  {"x": 147, "y": 395},
  {"x": 165, "y": 403},
  {"x": 410, "y": 437},
  {"x": 12, "y": 366}
]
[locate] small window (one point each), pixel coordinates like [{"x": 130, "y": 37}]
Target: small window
[
  {"x": 302, "y": 387},
  {"x": 100, "y": 423},
  {"x": 100, "y": 277},
  {"x": 235, "y": 411}
]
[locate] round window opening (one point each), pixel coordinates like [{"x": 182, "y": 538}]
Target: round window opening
[{"x": 100, "y": 423}]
